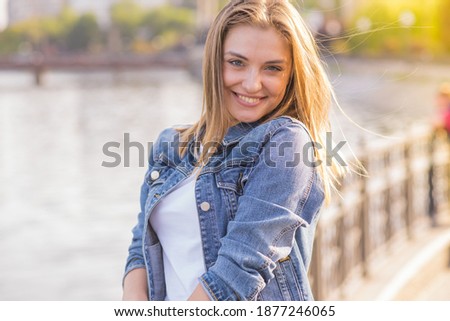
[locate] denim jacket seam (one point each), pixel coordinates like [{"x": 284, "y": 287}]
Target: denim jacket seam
[
  {"x": 255, "y": 293},
  {"x": 267, "y": 138},
  {"x": 274, "y": 127},
  {"x": 306, "y": 193},
  {"x": 133, "y": 260},
  {"x": 288, "y": 121},
  {"x": 209, "y": 289},
  {"x": 164, "y": 160},
  {"x": 134, "y": 266},
  {"x": 270, "y": 254},
  {"x": 228, "y": 165},
  {"x": 279, "y": 125},
  {"x": 278, "y": 238}
]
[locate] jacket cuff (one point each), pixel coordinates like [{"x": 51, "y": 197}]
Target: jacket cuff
[
  {"x": 133, "y": 265},
  {"x": 216, "y": 288}
]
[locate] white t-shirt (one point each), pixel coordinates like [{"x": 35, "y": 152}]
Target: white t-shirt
[{"x": 175, "y": 221}]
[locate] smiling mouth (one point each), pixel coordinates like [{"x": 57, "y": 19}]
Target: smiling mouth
[{"x": 249, "y": 100}]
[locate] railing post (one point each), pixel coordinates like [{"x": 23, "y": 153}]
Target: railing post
[
  {"x": 365, "y": 238},
  {"x": 439, "y": 177},
  {"x": 316, "y": 266},
  {"x": 38, "y": 68},
  {"x": 432, "y": 205},
  {"x": 409, "y": 190}
]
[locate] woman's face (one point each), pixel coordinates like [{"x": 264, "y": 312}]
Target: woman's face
[{"x": 256, "y": 71}]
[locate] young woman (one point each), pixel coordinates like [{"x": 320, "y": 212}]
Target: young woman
[{"x": 229, "y": 205}]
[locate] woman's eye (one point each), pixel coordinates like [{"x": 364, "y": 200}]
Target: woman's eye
[
  {"x": 236, "y": 63},
  {"x": 273, "y": 68}
]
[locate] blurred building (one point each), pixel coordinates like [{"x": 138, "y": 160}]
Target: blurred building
[
  {"x": 3, "y": 14},
  {"x": 19, "y": 10},
  {"x": 101, "y": 8}
]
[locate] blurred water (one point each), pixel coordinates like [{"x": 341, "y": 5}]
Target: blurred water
[
  {"x": 65, "y": 220},
  {"x": 385, "y": 96}
]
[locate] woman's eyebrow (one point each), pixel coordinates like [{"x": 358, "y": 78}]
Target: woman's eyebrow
[
  {"x": 277, "y": 61},
  {"x": 236, "y": 55}
]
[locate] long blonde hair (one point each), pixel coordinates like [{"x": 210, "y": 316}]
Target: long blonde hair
[{"x": 308, "y": 94}]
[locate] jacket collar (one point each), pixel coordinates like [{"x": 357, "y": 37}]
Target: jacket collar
[{"x": 236, "y": 132}]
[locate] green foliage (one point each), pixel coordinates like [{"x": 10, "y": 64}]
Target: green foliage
[
  {"x": 67, "y": 30},
  {"x": 166, "y": 20},
  {"x": 161, "y": 27},
  {"x": 127, "y": 16},
  {"x": 10, "y": 42},
  {"x": 132, "y": 28},
  {"x": 84, "y": 33}
]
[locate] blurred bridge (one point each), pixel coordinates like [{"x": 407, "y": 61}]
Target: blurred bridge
[
  {"x": 38, "y": 64},
  {"x": 388, "y": 236}
]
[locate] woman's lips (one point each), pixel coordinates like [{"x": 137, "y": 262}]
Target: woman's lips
[{"x": 247, "y": 100}]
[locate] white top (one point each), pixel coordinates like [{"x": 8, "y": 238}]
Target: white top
[{"x": 175, "y": 221}]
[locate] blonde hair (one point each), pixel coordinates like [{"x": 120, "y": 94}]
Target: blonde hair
[{"x": 308, "y": 94}]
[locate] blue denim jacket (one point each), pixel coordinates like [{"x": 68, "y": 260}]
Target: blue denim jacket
[{"x": 258, "y": 200}]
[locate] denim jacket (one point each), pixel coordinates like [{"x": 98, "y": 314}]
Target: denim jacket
[{"x": 258, "y": 200}]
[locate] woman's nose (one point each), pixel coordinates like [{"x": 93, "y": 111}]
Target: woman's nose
[{"x": 252, "y": 81}]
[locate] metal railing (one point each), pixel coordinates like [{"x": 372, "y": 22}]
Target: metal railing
[{"x": 406, "y": 191}]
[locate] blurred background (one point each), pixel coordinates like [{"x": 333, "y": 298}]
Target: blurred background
[{"x": 78, "y": 74}]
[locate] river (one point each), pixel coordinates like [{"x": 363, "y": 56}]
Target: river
[{"x": 65, "y": 219}]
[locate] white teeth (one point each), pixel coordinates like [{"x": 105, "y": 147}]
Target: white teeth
[{"x": 248, "y": 99}]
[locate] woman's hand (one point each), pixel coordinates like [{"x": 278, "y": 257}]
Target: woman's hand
[{"x": 135, "y": 286}]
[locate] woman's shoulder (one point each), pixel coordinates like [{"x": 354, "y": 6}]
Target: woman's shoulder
[
  {"x": 287, "y": 122},
  {"x": 172, "y": 133},
  {"x": 168, "y": 140},
  {"x": 284, "y": 128}
]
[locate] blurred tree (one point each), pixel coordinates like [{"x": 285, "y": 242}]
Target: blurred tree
[
  {"x": 10, "y": 41},
  {"x": 168, "y": 25},
  {"x": 55, "y": 30},
  {"x": 84, "y": 33},
  {"x": 185, "y": 3},
  {"x": 444, "y": 24},
  {"x": 126, "y": 17},
  {"x": 66, "y": 21},
  {"x": 45, "y": 34},
  {"x": 31, "y": 30}
]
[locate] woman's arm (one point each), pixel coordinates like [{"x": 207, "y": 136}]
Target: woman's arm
[
  {"x": 199, "y": 294},
  {"x": 135, "y": 286},
  {"x": 270, "y": 211}
]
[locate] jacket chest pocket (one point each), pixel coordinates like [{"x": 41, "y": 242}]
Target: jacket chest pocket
[{"x": 230, "y": 183}]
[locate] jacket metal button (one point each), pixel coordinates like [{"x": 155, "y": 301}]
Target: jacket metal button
[
  {"x": 154, "y": 175},
  {"x": 205, "y": 206}
]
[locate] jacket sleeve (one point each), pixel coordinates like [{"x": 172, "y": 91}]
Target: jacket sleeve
[
  {"x": 269, "y": 212},
  {"x": 135, "y": 255},
  {"x": 135, "y": 251}
]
